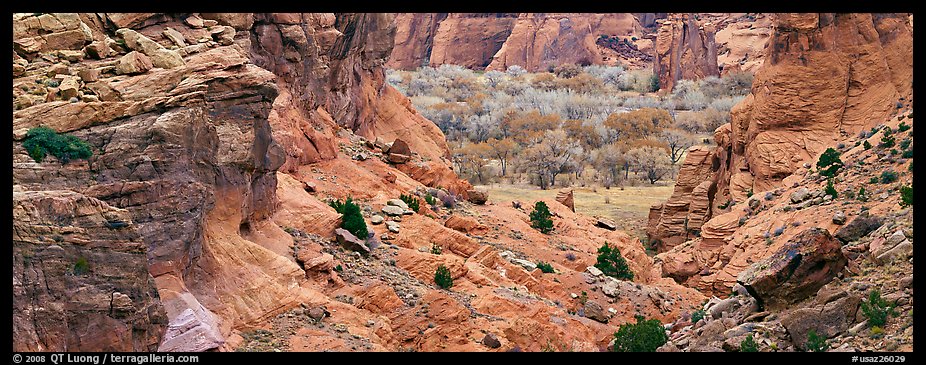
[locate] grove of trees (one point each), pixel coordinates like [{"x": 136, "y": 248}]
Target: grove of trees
[{"x": 593, "y": 124}]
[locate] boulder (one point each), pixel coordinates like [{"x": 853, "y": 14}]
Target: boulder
[
  {"x": 828, "y": 319},
  {"x": 350, "y": 242},
  {"x": 160, "y": 56},
  {"x": 606, "y": 224},
  {"x": 491, "y": 341},
  {"x": 133, "y": 63},
  {"x": 858, "y": 227},
  {"x": 800, "y": 195},
  {"x": 89, "y": 75},
  {"x": 594, "y": 271},
  {"x": 899, "y": 252},
  {"x": 476, "y": 196},
  {"x": 192, "y": 331},
  {"x": 377, "y": 219},
  {"x": 392, "y": 210},
  {"x": 99, "y": 49},
  {"x": 839, "y": 218},
  {"x": 797, "y": 270},
  {"x": 525, "y": 264},
  {"x": 224, "y": 35},
  {"x": 397, "y": 203},
  {"x": 399, "y": 147},
  {"x": 594, "y": 311},
  {"x": 194, "y": 21},
  {"x": 393, "y": 226},
  {"x": 69, "y": 87}
]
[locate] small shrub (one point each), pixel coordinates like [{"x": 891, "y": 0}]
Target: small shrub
[
  {"x": 873, "y": 180},
  {"x": 697, "y": 316},
  {"x": 903, "y": 127},
  {"x": 907, "y": 153},
  {"x": 643, "y": 336},
  {"x": 769, "y": 196},
  {"x": 815, "y": 342},
  {"x": 338, "y": 268},
  {"x": 829, "y": 163},
  {"x": 442, "y": 277},
  {"x": 725, "y": 205},
  {"x": 41, "y": 141},
  {"x": 887, "y": 139},
  {"x": 795, "y": 224},
  {"x": 888, "y": 177},
  {"x": 905, "y": 144},
  {"x": 749, "y": 193},
  {"x": 545, "y": 267},
  {"x": 876, "y": 309},
  {"x": 894, "y": 152},
  {"x": 866, "y": 145},
  {"x": 412, "y": 202},
  {"x": 830, "y": 189},
  {"x": 540, "y": 218},
  {"x": 906, "y": 196},
  {"x": 876, "y": 332},
  {"x": 612, "y": 264},
  {"x": 436, "y": 250},
  {"x": 430, "y": 200},
  {"x": 449, "y": 201},
  {"x": 779, "y": 231},
  {"x": 862, "y": 194},
  {"x": 570, "y": 256},
  {"x": 749, "y": 345},
  {"x": 81, "y": 266}
]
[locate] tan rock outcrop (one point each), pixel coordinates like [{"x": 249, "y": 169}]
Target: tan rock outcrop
[
  {"x": 677, "y": 220},
  {"x": 685, "y": 49}
]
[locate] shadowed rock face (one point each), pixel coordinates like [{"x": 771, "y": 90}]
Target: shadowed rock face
[
  {"x": 466, "y": 39},
  {"x": 824, "y": 76},
  {"x": 810, "y": 260},
  {"x": 685, "y": 49},
  {"x": 80, "y": 279}
]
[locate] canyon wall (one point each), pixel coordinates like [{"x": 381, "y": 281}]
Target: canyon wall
[
  {"x": 684, "y": 49},
  {"x": 824, "y": 77},
  {"x": 495, "y": 41}
]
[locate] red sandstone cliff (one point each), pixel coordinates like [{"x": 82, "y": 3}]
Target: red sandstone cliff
[
  {"x": 685, "y": 49},
  {"x": 825, "y": 77}
]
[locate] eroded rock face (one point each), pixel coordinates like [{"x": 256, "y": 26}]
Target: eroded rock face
[
  {"x": 539, "y": 41},
  {"x": 685, "y": 49},
  {"x": 676, "y": 220},
  {"x": 80, "y": 277},
  {"x": 800, "y": 268}
]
